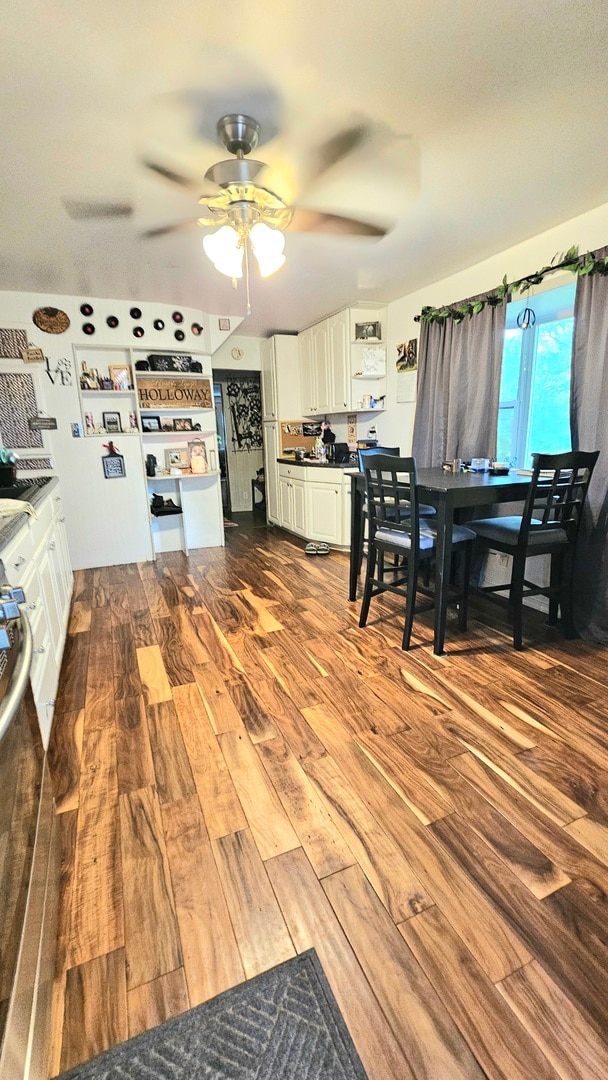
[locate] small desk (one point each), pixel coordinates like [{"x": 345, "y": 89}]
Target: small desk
[{"x": 447, "y": 492}]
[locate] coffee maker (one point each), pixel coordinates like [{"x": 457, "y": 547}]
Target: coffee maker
[{"x": 150, "y": 465}]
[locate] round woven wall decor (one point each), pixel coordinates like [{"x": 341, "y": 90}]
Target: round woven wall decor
[{"x": 51, "y": 320}]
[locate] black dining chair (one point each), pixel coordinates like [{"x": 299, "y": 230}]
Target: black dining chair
[
  {"x": 363, "y": 456},
  {"x": 549, "y": 525},
  {"x": 396, "y": 528}
]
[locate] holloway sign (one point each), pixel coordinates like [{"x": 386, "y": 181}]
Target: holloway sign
[{"x": 174, "y": 393}]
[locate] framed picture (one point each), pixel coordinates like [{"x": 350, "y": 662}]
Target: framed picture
[
  {"x": 198, "y": 456},
  {"x": 182, "y": 423},
  {"x": 224, "y": 324},
  {"x": 166, "y": 424},
  {"x": 150, "y": 423},
  {"x": 368, "y": 331},
  {"x": 111, "y": 421},
  {"x": 120, "y": 375},
  {"x": 407, "y": 355},
  {"x": 177, "y": 458},
  {"x": 113, "y": 466}
]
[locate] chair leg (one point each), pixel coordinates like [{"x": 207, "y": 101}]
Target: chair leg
[
  {"x": 556, "y": 584},
  {"x": 367, "y": 589},
  {"x": 516, "y": 599},
  {"x": 567, "y": 595},
  {"x": 463, "y": 608},
  {"x": 410, "y": 602}
]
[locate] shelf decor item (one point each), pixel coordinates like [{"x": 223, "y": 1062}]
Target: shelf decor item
[
  {"x": 198, "y": 456},
  {"x": 368, "y": 331},
  {"x": 177, "y": 458},
  {"x": 150, "y": 423},
  {"x": 120, "y": 375},
  {"x": 51, "y": 320},
  {"x": 182, "y": 423},
  {"x": 111, "y": 422},
  {"x": 178, "y": 393}
]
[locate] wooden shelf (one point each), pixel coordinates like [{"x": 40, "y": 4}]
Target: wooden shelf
[{"x": 111, "y": 435}]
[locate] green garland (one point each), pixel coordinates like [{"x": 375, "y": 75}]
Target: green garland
[{"x": 581, "y": 265}]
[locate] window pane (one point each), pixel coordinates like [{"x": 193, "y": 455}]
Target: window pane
[
  {"x": 509, "y": 379},
  {"x": 504, "y": 437},
  {"x": 549, "y": 427}
]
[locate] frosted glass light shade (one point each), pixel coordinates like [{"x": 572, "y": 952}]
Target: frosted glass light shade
[
  {"x": 222, "y": 248},
  {"x": 267, "y": 247}
]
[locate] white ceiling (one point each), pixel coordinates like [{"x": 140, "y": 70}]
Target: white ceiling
[{"x": 507, "y": 108}]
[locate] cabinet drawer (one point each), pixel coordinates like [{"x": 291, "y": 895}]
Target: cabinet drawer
[
  {"x": 292, "y": 471},
  {"x": 17, "y": 554},
  {"x": 324, "y": 474}
]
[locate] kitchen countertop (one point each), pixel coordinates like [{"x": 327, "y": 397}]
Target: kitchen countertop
[
  {"x": 37, "y": 489},
  {"x": 310, "y": 463}
]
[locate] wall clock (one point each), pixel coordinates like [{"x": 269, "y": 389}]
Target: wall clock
[
  {"x": 51, "y": 320},
  {"x": 237, "y": 354}
]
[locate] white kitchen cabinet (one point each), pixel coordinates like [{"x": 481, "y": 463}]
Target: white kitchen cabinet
[
  {"x": 271, "y": 472},
  {"x": 299, "y": 507},
  {"x": 285, "y": 503},
  {"x": 292, "y": 500},
  {"x": 339, "y": 361},
  {"x": 280, "y": 378},
  {"x": 336, "y": 368},
  {"x": 324, "y": 512}
]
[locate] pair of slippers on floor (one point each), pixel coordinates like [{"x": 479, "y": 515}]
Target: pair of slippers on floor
[{"x": 317, "y": 549}]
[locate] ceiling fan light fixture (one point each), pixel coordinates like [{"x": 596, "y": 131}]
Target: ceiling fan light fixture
[
  {"x": 224, "y": 251},
  {"x": 268, "y": 246}
]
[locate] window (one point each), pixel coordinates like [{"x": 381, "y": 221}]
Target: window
[{"x": 534, "y": 409}]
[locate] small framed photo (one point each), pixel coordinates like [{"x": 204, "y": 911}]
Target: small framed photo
[
  {"x": 182, "y": 423},
  {"x": 113, "y": 466},
  {"x": 150, "y": 423},
  {"x": 198, "y": 456},
  {"x": 166, "y": 424},
  {"x": 368, "y": 331},
  {"x": 223, "y": 324},
  {"x": 177, "y": 458},
  {"x": 120, "y": 375},
  {"x": 111, "y": 422}
]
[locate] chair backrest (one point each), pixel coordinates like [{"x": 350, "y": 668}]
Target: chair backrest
[
  {"x": 557, "y": 494},
  {"x": 363, "y": 453},
  {"x": 391, "y": 494}
]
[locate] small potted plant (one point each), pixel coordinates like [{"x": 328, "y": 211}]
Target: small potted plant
[{"x": 8, "y": 467}]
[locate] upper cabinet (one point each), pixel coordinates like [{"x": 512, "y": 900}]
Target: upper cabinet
[
  {"x": 343, "y": 362},
  {"x": 280, "y": 384}
]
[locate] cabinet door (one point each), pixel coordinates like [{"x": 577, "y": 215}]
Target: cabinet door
[
  {"x": 269, "y": 389},
  {"x": 299, "y": 506},
  {"x": 320, "y": 356},
  {"x": 47, "y": 572},
  {"x": 339, "y": 361},
  {"x": 271, "y": 472},
  {"x": 307, "y": 380},
  {"x": 324, "y": 512},
  {"x": 286, "y": 503}
]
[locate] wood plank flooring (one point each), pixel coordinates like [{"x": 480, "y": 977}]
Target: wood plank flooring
[{"x": 242, "y": 773}]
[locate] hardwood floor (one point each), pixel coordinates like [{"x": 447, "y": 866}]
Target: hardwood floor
[{"x": 241, "y": 774}]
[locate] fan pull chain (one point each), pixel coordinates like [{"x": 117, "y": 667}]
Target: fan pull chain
[{"x": 247, "y": 277}]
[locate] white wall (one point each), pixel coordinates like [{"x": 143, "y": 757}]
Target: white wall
[
  {"x": 588, "y": 231},
  {"x": 249, "y": 361}
]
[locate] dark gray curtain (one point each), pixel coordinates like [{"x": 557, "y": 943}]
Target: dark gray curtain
[
  {"x": 589, "y": 423},
  {"x": 459, "y": 368}
]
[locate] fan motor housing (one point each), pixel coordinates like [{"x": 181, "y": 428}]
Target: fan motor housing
[{"x": 239, "y": 133}]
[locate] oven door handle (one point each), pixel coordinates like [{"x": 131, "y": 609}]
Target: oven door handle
[{"x": 20, "y": 677}]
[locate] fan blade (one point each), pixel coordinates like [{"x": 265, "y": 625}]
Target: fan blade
[
  {"x": 338, "y": 146},
  {"x": 317, "y": 221},
  {"x": 165, "y": 230},
  {"x": 171, "y": 175},
  {"x": 82, "y": 210}
]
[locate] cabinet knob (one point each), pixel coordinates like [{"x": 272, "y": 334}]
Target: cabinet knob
[
  {"x": 50, "y": 702},
  {"x": 32, "y": 606},
  {"x": 62, "y": 519},
  {"x": 19, "y": 561},
  {"x": 40, "y": 649},
  {"x": 52, "y": 545}
]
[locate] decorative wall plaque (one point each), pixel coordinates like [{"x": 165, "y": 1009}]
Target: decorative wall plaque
[
  {"x": 174, "y": 393},
  {"x": 51, "y": 320}
]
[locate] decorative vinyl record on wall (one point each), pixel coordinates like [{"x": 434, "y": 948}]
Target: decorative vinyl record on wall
[
  {"x": 158, "y": 324},
  {"x": 88, "y": 329},
  {"x": 51, "y": 320},
  {"x": 138, "y": 331},
  {"x": 86, "y": 310},
  {"x": 196, "y": 329},
  {"x": 112, "y": 322},
  {"x": 135, "y": 313},
  {"x": 177, "y": 316},
  {"x": 179, "y": 335}
]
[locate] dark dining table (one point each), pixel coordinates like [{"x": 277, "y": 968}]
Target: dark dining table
[{"x": 452, "y": 494}]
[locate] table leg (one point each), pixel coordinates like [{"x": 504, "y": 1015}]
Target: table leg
[
  {"x": 356, "y": 535},
  {"x": 445, "y": 518}
]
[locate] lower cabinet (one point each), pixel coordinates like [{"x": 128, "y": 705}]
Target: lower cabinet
[
  {"x": 314, "y": 503},
  {"x": 37, "y": 560}
]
